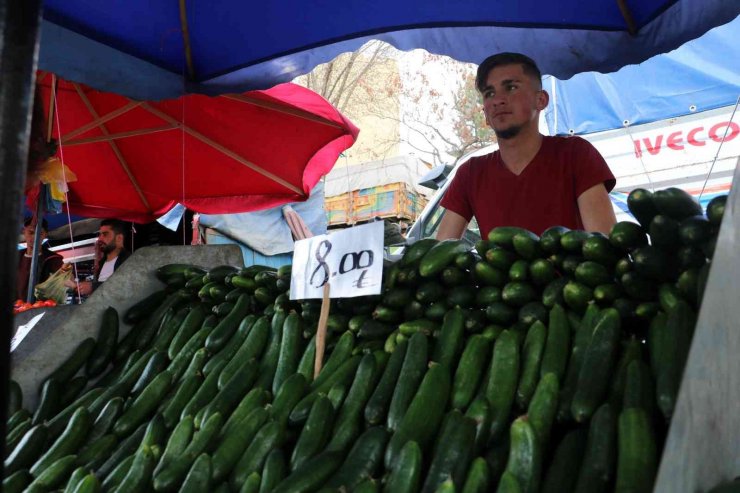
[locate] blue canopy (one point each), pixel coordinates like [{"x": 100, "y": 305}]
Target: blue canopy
[
  {"x": 701, "y": 75},
  {"x": 154, "y": 49}
]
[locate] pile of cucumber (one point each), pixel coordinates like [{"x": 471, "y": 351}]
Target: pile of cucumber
[{"x": 527, "y": 364}]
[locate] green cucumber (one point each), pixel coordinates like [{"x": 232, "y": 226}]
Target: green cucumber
[
  {"x": 144, "y": 404},
  {"x": 17, "y": 482},
  {"x": 450, "y": 342},
  {"x": 273, "y": 472},
  {"x": 424, "y": 414},
  {"x": 377, "y": 406},
  {"x": 192, "y": 323},
  {"x": 198, "y": 478},
  {"x": 637, "y": 460},
  {"x": 227, "y": 454},
  {"x": 453, "y": 454},
  {"x": 412, "y": 372},
  {"x": 469, "y": 371},
  {"x": 363, "y": 460},
  {"x": 311, "y": 475},
  {"x": 562, "y": 473},
  {"x": 202, "y": 397},
  {"x": 597, "y": 467},
  {"x": 185, "y": 391},
  {"x": 105, "y": 346},
  {"x": 525, "y": 455},
  {"x": 479, "y": 477},
  {"x": 252, "y": 347},
  {"x": 597, "y": 364},
  {"x": 229, "y": 350},
  {"x": 290, "y": 393},
  {"x": 290, "y": 350},
  {"x": 176, "y": 443},
  {"x": 49, "y": 403},
  {"x": 184, "y": 357},
  {"x": 500, "y": 389},
  {"x": 315, "y": 433},
  {"x": 557, "y": 347},
  {"x": 255, "y": 398},
  {"x": 139, "y": 474},
  {"x": 173, "y": 473},
  {"x": 27, "y": 451},
  {"x": 54, "y": 475},
  {"x": 68, "y": 442},
  {"x": 543, "y": 407},
  {"x": 441, "y": 255},
  {"x": 269, "y": 437},
  {"x": 534, "y": 346},
  {"x": 405, "y": 472},
  {"x": 94, "y": 454},
  {"x": 232, "y": 393},
  {"x": 225, "y": 329},
  {"x": 271, "y": 355}
]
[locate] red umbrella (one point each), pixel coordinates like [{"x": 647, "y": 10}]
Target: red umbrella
[{"x": 135, "y": 160}]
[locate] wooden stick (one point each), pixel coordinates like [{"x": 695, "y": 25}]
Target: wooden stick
[
  {"x": 321, "y": 332},
  {"x": 282, "y": 109},
  {"x": 89, "y": 126},
  {"x": 121, "y": 135},
  {"x": 186, "y": 40},
  {"x": 114, "y": 146},
  {"x": 236, "y": 157},
  {"x": 52, "y": 102}
]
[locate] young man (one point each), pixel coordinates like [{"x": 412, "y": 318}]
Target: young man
[
  {"x": 48, "y": 263},
  {"x": 110, "y": 243},
  {"x": 532, "y": 181}
]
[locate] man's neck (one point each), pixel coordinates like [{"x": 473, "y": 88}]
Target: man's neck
[{"x": 518, "y": 152}]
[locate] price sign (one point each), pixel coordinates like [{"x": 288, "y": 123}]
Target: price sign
[{"x": 350, "y": 261}]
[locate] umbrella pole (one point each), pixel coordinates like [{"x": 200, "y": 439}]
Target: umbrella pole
[
  {"x": 33, "y": 274},
  {"x": 19, "y": 37}
]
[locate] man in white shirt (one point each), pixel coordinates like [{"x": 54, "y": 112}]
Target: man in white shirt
[{"x": 110, "y": 242}]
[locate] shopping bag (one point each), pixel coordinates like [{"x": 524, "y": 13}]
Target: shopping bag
[{"x": 53, "y": 288}]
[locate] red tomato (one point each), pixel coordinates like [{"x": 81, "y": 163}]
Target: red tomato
[{"x": 50, "y": 303}]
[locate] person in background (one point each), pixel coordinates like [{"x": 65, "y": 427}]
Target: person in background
[
  {"x": 532, "y": 181},
  {"x": 49, "y": 262},
  {"x": 110, "y": 254}
]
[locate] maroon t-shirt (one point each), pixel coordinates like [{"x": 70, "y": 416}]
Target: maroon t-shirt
[{"x": 545, "y": 194}]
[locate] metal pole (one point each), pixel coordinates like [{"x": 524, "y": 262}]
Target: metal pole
[
  {"x": 33, "y": 274},
  {"x": 19, "y": 35}
]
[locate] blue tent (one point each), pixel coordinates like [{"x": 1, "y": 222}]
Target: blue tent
[
  {"x": 701, "y": 75},
  {"x": 159, "y": 49}
]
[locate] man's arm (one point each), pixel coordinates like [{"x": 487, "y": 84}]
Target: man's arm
[
  {"x": 452, "y": 226},
  {"x": 597, "y": 213}
]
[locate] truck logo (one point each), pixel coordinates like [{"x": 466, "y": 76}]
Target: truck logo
[{"x": 694, "y": 137}]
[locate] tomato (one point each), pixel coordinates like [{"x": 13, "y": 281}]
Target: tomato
[
  {"x": 18, "y": 303},
  {"x": 50, "y": 303},
  {"x": 38, "y": 304}
]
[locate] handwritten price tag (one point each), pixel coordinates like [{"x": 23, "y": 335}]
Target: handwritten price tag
[{"x": 350, "y": 261}]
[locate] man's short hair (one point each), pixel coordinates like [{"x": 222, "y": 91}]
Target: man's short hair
[
  {"x": 116, "y": 225},
  {"x": 44, "y": 224},
  {"x": 528, "y": 66}
]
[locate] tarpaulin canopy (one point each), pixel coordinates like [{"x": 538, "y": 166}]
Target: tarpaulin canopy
[
  {"x": 135, "y": 160},
  {"x": 155, "y": 50},
  {"x": 703, "y": 74}
]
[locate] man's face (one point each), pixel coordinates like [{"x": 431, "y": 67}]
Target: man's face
[
  {"x": 511, "y": 100},
  {"x": 29, "y": 234},
  {"x": 107, "y": 237}
]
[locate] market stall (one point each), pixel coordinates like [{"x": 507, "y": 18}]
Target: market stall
[{"x": 179, "y": 399}]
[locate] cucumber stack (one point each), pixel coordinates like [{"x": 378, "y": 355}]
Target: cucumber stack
[{"x": 528, "y": 364}]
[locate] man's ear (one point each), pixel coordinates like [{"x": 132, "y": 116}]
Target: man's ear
[{"x": 542, "y": 100}]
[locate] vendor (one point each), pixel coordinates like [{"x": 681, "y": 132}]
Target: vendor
[
  {"x": 111, "y": 251},
  {"x": 48, "y": 263},
  {"x": 532, "y": 181}
]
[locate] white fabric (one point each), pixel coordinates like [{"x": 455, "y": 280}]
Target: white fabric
[
  {"x": 107, "y": 270},
  {"x": 406, "y": 169}
]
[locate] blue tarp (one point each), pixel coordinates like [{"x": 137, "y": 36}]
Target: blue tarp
[
  {"x": 136, "y": 47},
  {"x": 701, "y": 75}
]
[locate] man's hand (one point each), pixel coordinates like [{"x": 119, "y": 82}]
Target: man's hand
[
  {"x": 597, "y": 213},
  {"x": 452, "y": 226},
  {"x": 85, "y": 288}
]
